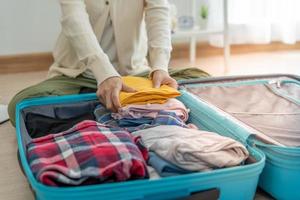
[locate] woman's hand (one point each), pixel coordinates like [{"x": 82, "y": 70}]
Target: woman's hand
[
  {"x": 109, "y": 90},
  {"x": 160, "y": 77}
]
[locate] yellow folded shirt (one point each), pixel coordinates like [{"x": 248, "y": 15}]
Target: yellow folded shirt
[{"x": 145, "y": 92}]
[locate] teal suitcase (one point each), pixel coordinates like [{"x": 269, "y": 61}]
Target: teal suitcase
[
  {"x": 265, "y": 108},
  {"x": 238, "y": 182}
]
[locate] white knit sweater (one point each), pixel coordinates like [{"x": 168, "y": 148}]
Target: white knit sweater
[{"x": 140, "y": 27}]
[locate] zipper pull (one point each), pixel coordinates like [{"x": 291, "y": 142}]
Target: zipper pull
[
  {"x": 272, "y": 82},
  {"x": 277, "y": 82}
]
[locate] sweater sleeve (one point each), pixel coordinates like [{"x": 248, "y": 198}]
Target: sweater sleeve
[
  {"x": 157, "y": 18},
  {"x": 77, "y": 28}
]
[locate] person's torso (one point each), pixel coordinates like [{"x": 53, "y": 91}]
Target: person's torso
[{"x": 128, "y": 26}]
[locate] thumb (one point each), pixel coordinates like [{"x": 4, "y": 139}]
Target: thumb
[
  {"x": 156, "y": 82},
  {"x": 126, "y": 88}
]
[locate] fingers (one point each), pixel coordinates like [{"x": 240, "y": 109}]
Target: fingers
[
  {"x": 156, "y": 83},
  {"x": 109, "y": 99},
  {"x": 108, "y": 93},
  {"x": 115, "y": 100},
  {"x": 157, "y": 79},
  {"x": 108, "y": 102},
  {"x": 172, "y": 83},
  {"x": 114, "y": 97},
  {"x": 161, "y": 77},
  {"x": 126, "y": 88},
  {"x": 98, "y": 93}
]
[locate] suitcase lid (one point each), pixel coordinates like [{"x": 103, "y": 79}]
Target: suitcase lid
[
  {"x": 237, "y": 78},
  {"x": 246, "y": 133},
  {"x": 241, "y": 135}
]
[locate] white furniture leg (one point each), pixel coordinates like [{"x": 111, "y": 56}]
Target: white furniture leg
[
  {"x": 226, "y": 39},
  {"x": 3, "y": 113},
  {"x": 193, "y": 46},
  {"x": 193, "y": 42}
]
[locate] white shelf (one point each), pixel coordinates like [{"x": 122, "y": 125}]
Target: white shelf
[{"x": 195, "y": 33}]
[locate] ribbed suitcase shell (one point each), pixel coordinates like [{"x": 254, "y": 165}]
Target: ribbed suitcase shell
[
  {"x": 238, "y": 182},
  {"x": 281, "y": 175}
]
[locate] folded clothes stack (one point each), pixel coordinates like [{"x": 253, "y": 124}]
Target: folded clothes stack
[
  {"x": 149, "y": 107},
  {"x": 145, "y": 93},
  {"x": 150, "y": 128}
]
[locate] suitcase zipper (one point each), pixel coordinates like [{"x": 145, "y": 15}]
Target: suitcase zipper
[
  {"x": 279, "y": 84},
  {"x": 250, "y": 129}
]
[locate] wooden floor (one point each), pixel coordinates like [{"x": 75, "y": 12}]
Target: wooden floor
[{"x": 13, "y": 185}]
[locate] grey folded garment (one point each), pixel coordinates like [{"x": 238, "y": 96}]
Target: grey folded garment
[{"x": 192, "y": 149}]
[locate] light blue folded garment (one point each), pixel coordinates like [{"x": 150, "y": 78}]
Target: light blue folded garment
[
  {"x": 134, "y": 122},
  {"x": 163, "y": 167}
]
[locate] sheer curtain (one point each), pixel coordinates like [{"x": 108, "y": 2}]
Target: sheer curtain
[{"x": 257, "y": 21}]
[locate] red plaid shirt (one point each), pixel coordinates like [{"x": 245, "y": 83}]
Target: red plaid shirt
[{"x": 88, "y": 153}]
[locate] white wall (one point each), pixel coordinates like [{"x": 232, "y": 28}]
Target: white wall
[{"x": 28, "y": 26}]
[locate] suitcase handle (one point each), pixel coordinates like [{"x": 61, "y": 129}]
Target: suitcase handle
[{"x": 210, "y": 194}]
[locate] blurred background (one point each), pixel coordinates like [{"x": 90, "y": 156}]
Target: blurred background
[
  {"x": 222, "y": 37},
  {"x": 262, "y": 35}
]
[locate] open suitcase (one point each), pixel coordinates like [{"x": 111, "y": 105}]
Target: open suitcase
[
  {"x": 265, "y": 109},
  {"x": 238, "y": 182}
]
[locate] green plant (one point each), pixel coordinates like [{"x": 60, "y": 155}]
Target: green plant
[{"x": 204, "y": 12}]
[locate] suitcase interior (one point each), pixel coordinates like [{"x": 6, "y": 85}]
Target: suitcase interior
[
  {"x": 252, "y": 102},
  {"x": 218, "y": 184}
]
